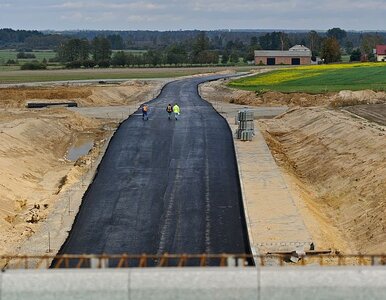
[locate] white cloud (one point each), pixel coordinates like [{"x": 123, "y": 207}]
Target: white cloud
[
  {"x": 195, "y": 14},
  {"x": 77, "y": 16},
  {"x": 153, "y": 19},
  {"x": 140, "y": 5}
]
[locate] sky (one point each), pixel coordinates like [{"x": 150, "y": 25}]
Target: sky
[{"x": 193, "y": 14}]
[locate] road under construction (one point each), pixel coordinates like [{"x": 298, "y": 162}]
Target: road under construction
[
  {"x": 171, "y": 189},
  {"x": 165, "y": 186}
]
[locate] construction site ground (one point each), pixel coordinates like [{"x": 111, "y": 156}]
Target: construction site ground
[
  {"x": 372, "y": 112},
  {"x": 331, "y": 162}
]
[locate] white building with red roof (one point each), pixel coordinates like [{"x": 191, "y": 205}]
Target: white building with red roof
[{"x": 380, "y": 52}]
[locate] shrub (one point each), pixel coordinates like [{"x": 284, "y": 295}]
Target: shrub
[
  {"x": 11, "y": 62},
  {"x": 34, "y": 65},
  {"x": 261, "y": 92},
  {"x": 89, "y": 63},
  {"x": 54, "y": 59},
  {"x": 23, "y": 55},
  {"x": 76, "y": 64},
  {"x": 104, "y": 63}
]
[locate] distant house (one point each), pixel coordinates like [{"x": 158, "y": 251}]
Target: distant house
[
  {"x": 297, "y": 55},
  {"x": 380, "y": 52}
]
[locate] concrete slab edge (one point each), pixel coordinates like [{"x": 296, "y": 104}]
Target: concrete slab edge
[{"x": 197, "y": 283}]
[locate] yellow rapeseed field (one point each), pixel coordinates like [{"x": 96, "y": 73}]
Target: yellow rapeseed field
[{"x": 301, "y": 72}]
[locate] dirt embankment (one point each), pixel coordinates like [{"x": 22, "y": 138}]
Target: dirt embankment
[
  {"x": 84, "y": 95},
  {"x": 335, "y": 162},
  {"x": 217, "y": 91},
  {"x": 33, "y": 145},
  {"x": 32, "y": 166},
  {"x": 340, "y": 162}
]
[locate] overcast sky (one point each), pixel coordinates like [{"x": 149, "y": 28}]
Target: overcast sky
[{"x": 193, "y": 14}]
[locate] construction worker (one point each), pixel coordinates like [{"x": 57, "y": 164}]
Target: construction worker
[
  {"x": 145, "y": 109},
  {"x": 169, "y": 110},
  {"x": 176, "y": 110}
]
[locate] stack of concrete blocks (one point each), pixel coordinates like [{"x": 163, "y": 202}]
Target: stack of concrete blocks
[{"x": 246, "y": 128}]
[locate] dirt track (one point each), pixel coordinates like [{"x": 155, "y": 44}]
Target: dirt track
[{"x": 372, "y": 112}]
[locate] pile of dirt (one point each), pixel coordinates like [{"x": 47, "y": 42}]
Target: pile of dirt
[
  {"x": 217, "y": 91},
  {"x": 348, "y": 98},
  {"x": 87, "y": 95},
  {"x": 18, "y": 96},
  {"x": 341, "y": 163}
]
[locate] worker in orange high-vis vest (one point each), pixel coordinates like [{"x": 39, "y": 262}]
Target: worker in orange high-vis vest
[{"x": 145, "y": 109}]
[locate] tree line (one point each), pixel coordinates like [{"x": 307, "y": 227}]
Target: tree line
[
  {"x": 77, "y": 52},
  {"x": 91, "y": 48},
  {"x": 201, "y": 50}
]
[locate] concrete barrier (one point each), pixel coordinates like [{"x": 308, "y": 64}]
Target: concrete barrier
[{"x": 196, "y": 283}]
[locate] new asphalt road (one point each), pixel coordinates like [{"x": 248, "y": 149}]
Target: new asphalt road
[{"x": 165, "y": 185}]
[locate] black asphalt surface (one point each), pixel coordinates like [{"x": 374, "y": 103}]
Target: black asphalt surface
[{"x": 165, "y": 185}]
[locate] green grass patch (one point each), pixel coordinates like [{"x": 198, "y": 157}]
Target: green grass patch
[
  {"x": 5, "y": 55},
  {"x": 19, "y": 76},
  {"x": 318, "y": 79},
  {"x": 345, "y": 58}
]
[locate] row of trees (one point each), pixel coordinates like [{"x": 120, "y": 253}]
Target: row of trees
[
  {"x": 200, "y": 50},
  {"x": 158, "y": 58},
  {"x": 219, "y": 40},
  {"x": 80, "y": 52},
  {"x": 76, "y": 52},
  {"x": 88, "y": 49}
]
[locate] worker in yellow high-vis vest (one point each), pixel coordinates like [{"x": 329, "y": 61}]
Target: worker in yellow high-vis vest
[{"x": 176, "y": 110}]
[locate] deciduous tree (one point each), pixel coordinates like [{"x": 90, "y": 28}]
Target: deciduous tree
[
  {"x": 119, "y": 59},
  {"x": 314, "y": 42},
  {"x": 369, "y": 42},
  {"x": 337, "y": 33},
  {"x": 330, "y": 51},
  {"x": 101, "y": 49},
  {"x": 355, "y": 55},
  {"x": 275, "y": 41}
]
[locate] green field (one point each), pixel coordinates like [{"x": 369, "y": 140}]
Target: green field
[
  {"x": 19, "y": 76},
  {"x": 5, "y": 55},
  {"x": 318, "y": 79}
]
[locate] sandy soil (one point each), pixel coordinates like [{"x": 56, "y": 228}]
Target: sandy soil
[
  {"x": 339, "y": 163},
  {"x": 33, "y": 146},
  {"x": 372, "y": 112}
]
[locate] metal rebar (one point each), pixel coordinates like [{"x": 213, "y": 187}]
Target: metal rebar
[{"x": 202, "y": 260}]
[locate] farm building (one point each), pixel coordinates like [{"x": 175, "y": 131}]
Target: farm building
[
  {"x": 380, "y": 52},
  {"x": 297, "y": 55}
]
